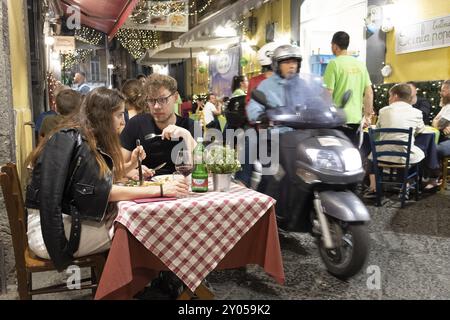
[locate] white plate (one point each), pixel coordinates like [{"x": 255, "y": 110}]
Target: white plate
[{"x": 162, "y": 178}]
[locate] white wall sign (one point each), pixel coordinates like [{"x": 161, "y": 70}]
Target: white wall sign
[
  {"x": 424, "y": 35},
  {"x": 160, "y": 16},
  {"x": 64, "y": 44}
]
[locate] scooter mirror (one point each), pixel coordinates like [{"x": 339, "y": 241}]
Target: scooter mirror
[
  {"x": 346, "y": 97},
  {"x": 260, "y": 97}
]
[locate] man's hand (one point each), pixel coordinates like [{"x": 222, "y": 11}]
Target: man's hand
[
  {"x": 173, "y": 131},
  {"x": 447, "y": 130},
  {"x": 367, "y": 121}
]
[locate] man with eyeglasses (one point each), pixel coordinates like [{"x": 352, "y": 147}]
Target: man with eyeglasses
[{"x": 161, "y": 120}]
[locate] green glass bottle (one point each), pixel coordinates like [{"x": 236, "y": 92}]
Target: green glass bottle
[{"x": 200, "y": 174}]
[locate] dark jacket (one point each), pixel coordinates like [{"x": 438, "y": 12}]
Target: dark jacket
[
  {"x": 65, "y": 179},
  {"x": 423, "y": 105}
]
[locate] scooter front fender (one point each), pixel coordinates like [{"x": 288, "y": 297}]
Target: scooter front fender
[{"x": 344, "y": 205}]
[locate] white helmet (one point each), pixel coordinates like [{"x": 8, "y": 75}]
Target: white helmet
[{"x": 265, "y": 53}]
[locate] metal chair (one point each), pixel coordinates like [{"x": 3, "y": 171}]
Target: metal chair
[
  {"x": 26, "y": 262},
  {"x": 405, "y": 172}
]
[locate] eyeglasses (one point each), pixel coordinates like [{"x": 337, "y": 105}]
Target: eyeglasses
[{"x": 161, "y": 101}]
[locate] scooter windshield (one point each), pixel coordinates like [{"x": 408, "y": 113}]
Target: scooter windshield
[{"x": 308, "y": 105}]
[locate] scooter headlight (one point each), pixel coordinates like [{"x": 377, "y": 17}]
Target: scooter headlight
[
  {"x": 325, "y": 159},
  {"x": 352, "y": 159}
]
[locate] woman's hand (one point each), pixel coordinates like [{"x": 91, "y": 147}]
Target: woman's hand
[
  {"x": 137, "y": 152},
  {"x": 146, "y": 172},
  {"x": 175, "y": 188}
]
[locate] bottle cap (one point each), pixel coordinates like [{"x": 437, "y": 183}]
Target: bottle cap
[{"x": 200, "y": 139}]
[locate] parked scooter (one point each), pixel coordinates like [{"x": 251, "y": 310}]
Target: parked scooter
[{"x": 314, "y": 187}]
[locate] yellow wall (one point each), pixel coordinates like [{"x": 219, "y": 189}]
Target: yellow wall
[
  {"x": 422, "y": 65},
  {"x": 20, "y": 79},
  {"x": 277, "y": 11}
]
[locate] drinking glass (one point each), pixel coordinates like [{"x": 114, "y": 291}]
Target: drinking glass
[{"x": 184, "y": 164}]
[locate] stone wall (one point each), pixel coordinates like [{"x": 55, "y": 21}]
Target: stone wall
[{"x": 7, "y": 135}]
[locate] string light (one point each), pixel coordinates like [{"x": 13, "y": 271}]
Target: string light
[
  {"x": 70, "y": 59},
  {"x": 144, "y": 10},
  {"x": 52, "y": 84},
  {"x": 202, "y": 9},
  {"x": 88, "y": 35},
  {"x": 429, "y": 90},
  {"x": 138, "y": 41}
]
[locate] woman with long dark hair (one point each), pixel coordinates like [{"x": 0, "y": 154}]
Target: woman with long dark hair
[
  {"x": 239, "y": 86},
  {"x": 71, "y": 194}
]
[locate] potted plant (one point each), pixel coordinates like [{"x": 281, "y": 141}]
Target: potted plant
[{"x": 221, "y": 161}]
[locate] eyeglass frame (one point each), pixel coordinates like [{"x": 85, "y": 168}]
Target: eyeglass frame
[{"x": 164, "y": 102}]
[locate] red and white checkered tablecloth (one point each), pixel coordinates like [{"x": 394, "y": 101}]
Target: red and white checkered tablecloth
[{"x": 192, "y": 235}]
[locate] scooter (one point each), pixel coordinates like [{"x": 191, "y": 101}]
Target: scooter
[{"x": 319, "y": 169}]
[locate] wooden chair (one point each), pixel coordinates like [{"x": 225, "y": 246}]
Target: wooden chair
[
  {"x": 2, "y": 270},
  {"x": 201, "y": 293},
  {"x": 26, "y": 262},
  {"x": 445, "y": 172},
  {"x": 410, "y": 171}
]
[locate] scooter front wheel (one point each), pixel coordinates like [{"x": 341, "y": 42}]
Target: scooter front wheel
[{"x": 351, "y": 251}]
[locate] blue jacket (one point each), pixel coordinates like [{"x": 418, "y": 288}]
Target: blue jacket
[
  {"x": 279, "y": 92},
  {"x": 274, "y": 89}
]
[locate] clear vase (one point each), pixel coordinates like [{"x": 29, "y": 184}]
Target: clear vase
[{"x": 221, "y": 181}]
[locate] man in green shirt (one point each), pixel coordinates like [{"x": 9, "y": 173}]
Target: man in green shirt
[
  {"x": 347, "y": 73},
  {"x": 177, "y": 105}
]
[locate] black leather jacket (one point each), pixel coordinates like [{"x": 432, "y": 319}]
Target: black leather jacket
[{"x": 66, "y": 179}]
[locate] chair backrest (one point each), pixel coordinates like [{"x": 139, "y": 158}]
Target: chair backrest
[
  {"x": 235, "y": 112},
  {"x": 374, "y": 143},
  {"x": 12, "y": 194}
]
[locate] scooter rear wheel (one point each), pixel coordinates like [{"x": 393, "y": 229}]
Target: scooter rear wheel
[{"x": 352, "y": 248}]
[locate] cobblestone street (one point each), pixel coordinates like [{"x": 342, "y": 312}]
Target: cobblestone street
[{"x": 411, "y": 247}]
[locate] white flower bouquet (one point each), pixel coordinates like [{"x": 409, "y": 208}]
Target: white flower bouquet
[{"x": 220, "y": 159}]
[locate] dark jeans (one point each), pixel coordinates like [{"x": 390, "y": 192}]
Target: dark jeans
[{"x": 214, "y": 124}]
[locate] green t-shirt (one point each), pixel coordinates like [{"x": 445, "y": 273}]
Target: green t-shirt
[
  {"x": 176, "y": 106},
  {"x": 342, "y": 74},
  {"x": 238, "y": 92}
]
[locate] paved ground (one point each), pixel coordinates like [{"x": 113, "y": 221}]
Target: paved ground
[{"x": 411, "y": 247}]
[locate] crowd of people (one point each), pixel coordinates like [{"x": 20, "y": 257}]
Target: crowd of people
[{"x": 90, "y": 142}]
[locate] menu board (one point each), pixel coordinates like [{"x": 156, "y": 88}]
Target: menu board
[{"x": 160, "y": 16}]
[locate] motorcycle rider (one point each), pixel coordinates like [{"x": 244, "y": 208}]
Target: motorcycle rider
[
  {"x": 286, "y": 63},
  {"x": 285, "y": 89}
]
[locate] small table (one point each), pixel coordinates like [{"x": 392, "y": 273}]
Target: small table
[{"x": 190, "y": 237}]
